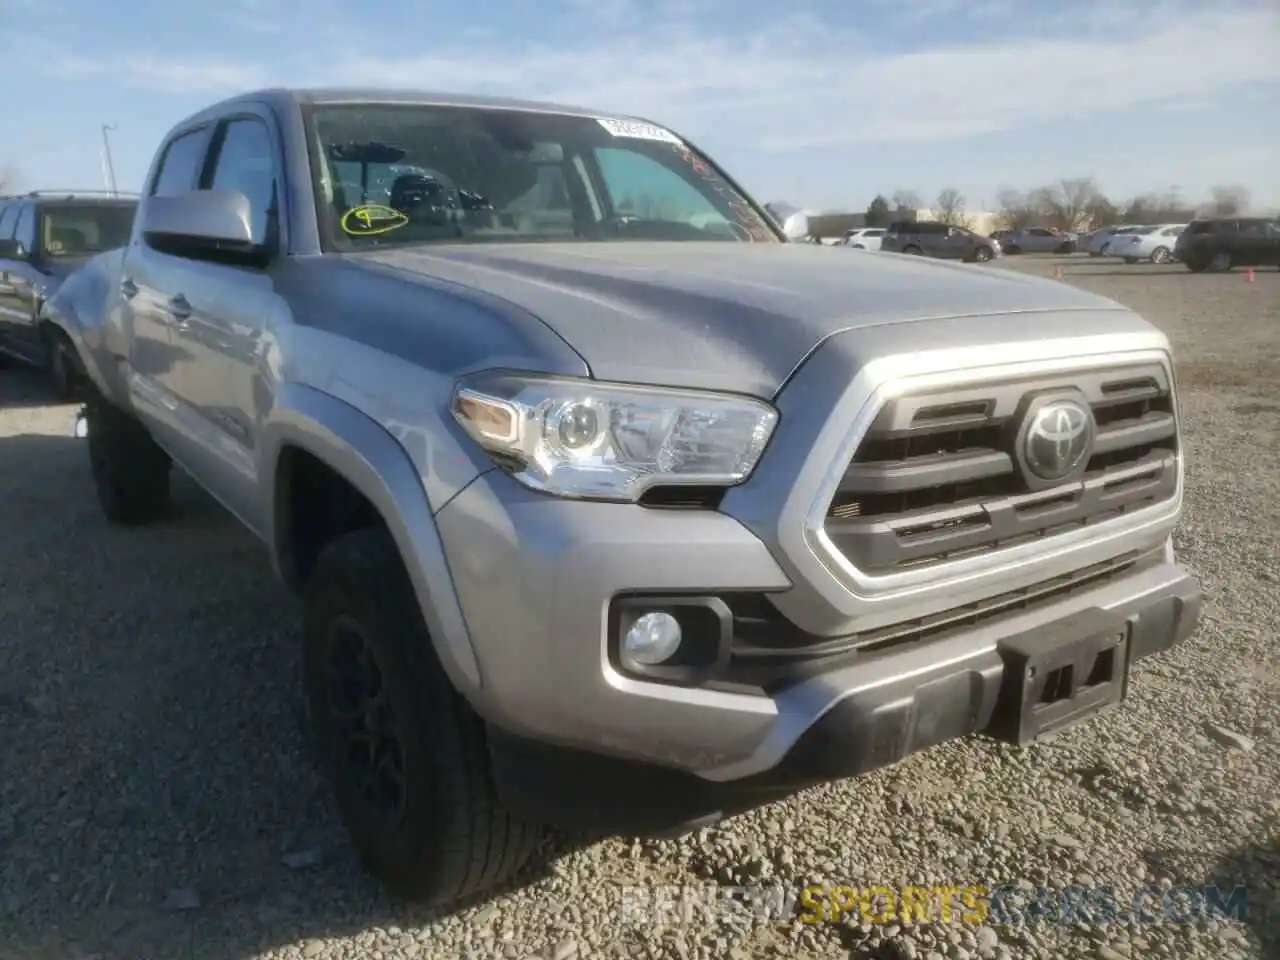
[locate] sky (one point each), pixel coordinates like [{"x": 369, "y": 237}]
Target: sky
[{"x": 818, "y": 103}]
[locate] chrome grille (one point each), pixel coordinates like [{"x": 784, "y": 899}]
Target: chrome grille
[{"x": 936, "y": 477}]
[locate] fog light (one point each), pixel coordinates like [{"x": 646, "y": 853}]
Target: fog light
[
  {"x": 82, "y": 426},
  {"x": 652, "y": 639}
]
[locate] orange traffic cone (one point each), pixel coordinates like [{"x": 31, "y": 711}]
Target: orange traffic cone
[{"x": 1248, "y": 275}]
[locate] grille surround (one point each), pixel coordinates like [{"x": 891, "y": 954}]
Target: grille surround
[
  {"x": 941, "y": 474},
  {"x": 936, "y": 584}
]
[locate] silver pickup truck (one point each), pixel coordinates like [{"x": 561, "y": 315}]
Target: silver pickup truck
[{"x": 607, "y": 503}]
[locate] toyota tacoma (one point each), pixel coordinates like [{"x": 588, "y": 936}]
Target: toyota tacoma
[{"x": 608, "y": 503}]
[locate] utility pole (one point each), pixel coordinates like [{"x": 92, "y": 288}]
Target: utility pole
[{"x": 106, "y": 153}]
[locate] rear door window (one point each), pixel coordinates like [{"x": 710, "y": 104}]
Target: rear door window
[{"x": 180, "y": 165}]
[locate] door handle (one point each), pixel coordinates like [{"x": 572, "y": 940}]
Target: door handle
[
  {"x": 128, "y": 289},
  {"x": 179, "y": 309}
]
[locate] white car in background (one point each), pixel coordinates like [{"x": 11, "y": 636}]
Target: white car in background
[
  {"x": 867, "y": 238},
  {"x": 1154, "y": 242}
]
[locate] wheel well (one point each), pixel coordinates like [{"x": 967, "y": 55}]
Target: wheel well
[
  {"x": 314, "y": 506},
  {"x": 50, "y": 330}
]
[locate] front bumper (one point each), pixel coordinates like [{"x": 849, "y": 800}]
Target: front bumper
[{"x": 536, "y": 577}]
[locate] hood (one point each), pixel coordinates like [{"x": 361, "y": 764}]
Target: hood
[{"x": 733, "y": 316}]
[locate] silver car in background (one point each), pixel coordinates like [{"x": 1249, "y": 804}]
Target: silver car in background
[
  {"x": 1098, "y": 243},
  {"x": 1154, "y": 243},
  {"x": 1038, "y": 240}
]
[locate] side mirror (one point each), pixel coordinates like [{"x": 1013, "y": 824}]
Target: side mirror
[
  {"x": 796, "y": 226},
  {"x": 202, "y": 224}
]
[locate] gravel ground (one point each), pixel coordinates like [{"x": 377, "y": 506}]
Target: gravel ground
[{"x": 156, "y": 801}]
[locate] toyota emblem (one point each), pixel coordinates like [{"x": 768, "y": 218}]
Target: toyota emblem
[{"x": 1058, "y": 440}]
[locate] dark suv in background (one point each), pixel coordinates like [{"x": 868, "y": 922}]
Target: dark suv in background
[
  {"x": 44, "y": 237},
  {"x": 930, "y": 239},
  {"x": 1220, "y": 243}
]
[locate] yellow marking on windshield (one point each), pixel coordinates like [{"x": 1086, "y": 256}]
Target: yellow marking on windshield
[{"x": 371, "y": 219}]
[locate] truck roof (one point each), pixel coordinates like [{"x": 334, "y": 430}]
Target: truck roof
[{"x": 281, "y": 97}]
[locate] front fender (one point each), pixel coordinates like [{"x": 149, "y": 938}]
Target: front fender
[
  {"x": 60, "y": 311},
  {"x": 373, "y": 461},
  {"x": 80, "y": 308}
]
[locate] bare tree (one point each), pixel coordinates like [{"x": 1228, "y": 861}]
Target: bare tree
[
  {"x": 906, "y": 200},
  {"x": 1066, "y": 204},
  {"x": 1168, "y": 207},
  {"x": 950, "y": 207},
  {"x": 1017, "y": 209},
  {"x": 1104, "y": 213},
  {"x": 1229, "y": 201}
]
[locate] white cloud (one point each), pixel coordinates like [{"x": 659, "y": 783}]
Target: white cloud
[
  {"x": 797, "y": 86},
  {"x": 787, "y": 82},
  {"x": 184, "y": 76}
]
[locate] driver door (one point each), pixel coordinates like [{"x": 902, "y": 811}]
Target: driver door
[
  {"x": 224, "y": 312},
  {"x": 148, "y": 283}
]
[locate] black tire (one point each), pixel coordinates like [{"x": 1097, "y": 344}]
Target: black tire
[
  {"x": 1013, "y": 250},
  {"x": 446, "y": 836},
  {"x": 130, "y": 472},
  {"x": 1219, "y": 263},
  {"x": 913, "y": 251},
  {"x": 1196, "y": 266},
  {"x": 982, "y": 255},
  {"x": 61, "y": 366},
  {"x": 1161, "y": 255},
  {"x": 1103, "y": 251}
]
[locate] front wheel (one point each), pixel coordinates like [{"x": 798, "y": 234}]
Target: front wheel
[
  {"x": 61, "y": 366},
  {"x": 1161, "y": 255},
  {"x": 1220, "y": 262},
  {"x": 408, "y": 757},
  {"x": 913, "y": 251},
  {"x": 130, "y": 471},
  {"x": 982, "y": 255}
]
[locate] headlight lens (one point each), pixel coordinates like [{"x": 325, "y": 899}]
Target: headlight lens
[{"x": 587, "y": 439}]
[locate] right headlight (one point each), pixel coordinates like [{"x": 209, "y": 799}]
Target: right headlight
[{"x": 605, "y": 441}]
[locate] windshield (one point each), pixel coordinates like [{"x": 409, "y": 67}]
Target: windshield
[
  {"x": 84, "y": 229},
  {"x": 389, "y": 174}
]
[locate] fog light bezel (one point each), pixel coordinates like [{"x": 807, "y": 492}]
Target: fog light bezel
[{"x": 706, "y": 627}]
